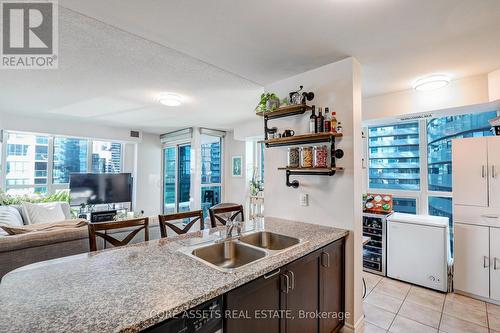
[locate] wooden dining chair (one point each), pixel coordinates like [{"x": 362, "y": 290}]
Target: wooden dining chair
[
  {"x": 224, "y": 211},
  {"x": 100, "y": 228},
  {"x": 164, "y": 222}
]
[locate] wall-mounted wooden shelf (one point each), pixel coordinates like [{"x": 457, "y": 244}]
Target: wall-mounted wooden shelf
[
  {"x": 285, "y": 111},
  {"x": 303, "y": 139}
]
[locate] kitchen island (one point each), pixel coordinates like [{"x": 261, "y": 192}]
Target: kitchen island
[{"x": 131, "y": 288}]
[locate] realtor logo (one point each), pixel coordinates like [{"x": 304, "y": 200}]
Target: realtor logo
[{"x": 29, "y": 35}]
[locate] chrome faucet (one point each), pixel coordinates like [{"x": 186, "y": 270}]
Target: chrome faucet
[{"x": 230, "y": 225}]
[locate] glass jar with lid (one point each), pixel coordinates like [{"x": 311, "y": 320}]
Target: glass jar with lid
[
  {"x": 306, "y": 157},
  {"x": 293, "y": 157},
  {"x": 320, "y": 159}
]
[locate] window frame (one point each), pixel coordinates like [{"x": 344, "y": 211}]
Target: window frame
[
  {"x": 51, "y": 186},
  {"x": 422, "y": 196}
]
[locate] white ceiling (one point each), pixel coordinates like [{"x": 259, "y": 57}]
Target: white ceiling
[
  {"x": 396, "y": 41},
  {"x": 117, "y": 55},
  {"x": 110, "y": 77}
]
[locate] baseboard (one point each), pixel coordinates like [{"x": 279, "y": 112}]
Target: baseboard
[
  {"x": 485, "y": 299},
  {"x": 358, "y": 327}
]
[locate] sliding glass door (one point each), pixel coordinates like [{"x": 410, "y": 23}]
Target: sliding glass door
[
  {"x": 177, "y": 178},
  {"x": 211, "y": 171}
]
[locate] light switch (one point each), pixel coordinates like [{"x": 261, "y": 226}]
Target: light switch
[{"x": 304, "y": 199}]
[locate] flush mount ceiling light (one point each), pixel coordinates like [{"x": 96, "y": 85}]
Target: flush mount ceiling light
[
  {"x": 431, "y": 82},
  {"x": 170, "y": 99}
]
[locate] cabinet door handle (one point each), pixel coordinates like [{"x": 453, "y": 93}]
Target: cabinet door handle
[
  {"x": 270, "y": 275},
  {"x": 486, "y": 262},
  {"x": 292, "y": 279},
  {"x": 490, "y": 216},
  {"x": 325, "y": 259},
  {"x": 483, "y": 171},
  {"x": 495, "y": 266},
  {"x": 493, "y": 171},
  {"x": 287, "y": 283}
]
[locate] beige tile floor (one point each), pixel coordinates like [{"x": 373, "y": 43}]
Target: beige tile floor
[{"x": 397, "y": 307}]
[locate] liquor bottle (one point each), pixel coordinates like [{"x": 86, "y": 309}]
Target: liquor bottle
[
  {"x": 312, "y": 120},
  {"x": 327, "y": 122},
  {"x": 333, "y": 122},
  {"x": 320, "y": 122}
]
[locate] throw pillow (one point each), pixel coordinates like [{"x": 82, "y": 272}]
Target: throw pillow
[
  {"x": 10, "y": 216},
  {"x": 43, "y": 213}
]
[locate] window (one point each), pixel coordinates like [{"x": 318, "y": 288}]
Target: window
[
  {"x": 443, "y": 206},
  {"x": 184, "y": 187},
  {"x": 394, "y": 160},
  {"x": 106, "y": 157},
  {"x": 25, "y": 165},
  {"x": 43, "y": 164},
  {"x": 169, "y": 170},
  {"x": 440, "y": 132},
  {"x": 405, "y": 205},
  {"x": 70, "y": 155}
]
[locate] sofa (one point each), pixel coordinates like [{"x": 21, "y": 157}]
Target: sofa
[{"x": 24, "y": 249}]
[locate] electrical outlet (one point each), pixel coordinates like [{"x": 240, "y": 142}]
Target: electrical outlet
[{"x": 304, "y": 199}]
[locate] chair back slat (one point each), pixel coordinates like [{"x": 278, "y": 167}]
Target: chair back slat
[
  {"x": 96, "y": 228},
  {"x": 225, "y": 208},
  {"x": 164, "y": 221}
]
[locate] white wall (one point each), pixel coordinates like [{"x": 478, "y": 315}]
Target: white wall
[
  {"x": 235, "y": 188},
  {"x": 141, "y": 157},
  {"x": 494, "y": 85},
  {"x": 467, "y": 91},
  {"x": 148, "y": 177},
  {"x": 333, "y": 201}
]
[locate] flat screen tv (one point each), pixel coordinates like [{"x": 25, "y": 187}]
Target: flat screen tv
[{"x": 93, "y": 188}]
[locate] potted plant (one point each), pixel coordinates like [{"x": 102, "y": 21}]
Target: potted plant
[{"x": 268, "y": 102}]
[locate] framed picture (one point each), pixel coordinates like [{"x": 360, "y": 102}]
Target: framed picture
[{"x": 237, "y": 166}]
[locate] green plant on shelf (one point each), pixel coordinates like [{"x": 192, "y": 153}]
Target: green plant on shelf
[{"x": 268, "y": 102}]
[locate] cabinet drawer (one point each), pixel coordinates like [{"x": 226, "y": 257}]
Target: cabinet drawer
[{"x": 476, "y": 215}]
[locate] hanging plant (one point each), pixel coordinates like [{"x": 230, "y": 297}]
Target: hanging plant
[{"x": 268, "y": 103}]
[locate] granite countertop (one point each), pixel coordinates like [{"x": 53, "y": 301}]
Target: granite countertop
[{"x": 131, "y": 288}]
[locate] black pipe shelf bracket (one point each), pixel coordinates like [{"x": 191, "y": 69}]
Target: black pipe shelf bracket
[{"x": 327, "y": 137}]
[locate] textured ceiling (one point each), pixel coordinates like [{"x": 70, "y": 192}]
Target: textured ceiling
[
  {"x": 116, "y": 56},
  {"x": 108, "y": 76},
  {"x": 396, "y": 41}
]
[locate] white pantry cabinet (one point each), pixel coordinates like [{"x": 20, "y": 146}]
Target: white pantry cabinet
[
  {"x": 494, "y": 171},
  {"x": 472, "y": 272},
  {"x": 495, "y": 263},
  {"x": 476, "y": 215},
  {"x": 470, "y": 172}
]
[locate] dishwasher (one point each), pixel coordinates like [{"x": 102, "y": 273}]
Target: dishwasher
[{"x": 205, "y": 318}]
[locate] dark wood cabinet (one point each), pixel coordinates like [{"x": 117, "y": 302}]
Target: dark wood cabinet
[
  {"x": 249, "y": 305},
  {"x": 331, "y": 297},
  {"x": 302, "y": 297},
  {"x": 295, "y": 295}
]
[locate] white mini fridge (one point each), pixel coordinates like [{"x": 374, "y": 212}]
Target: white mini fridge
[{"x": 418, "y": 250}]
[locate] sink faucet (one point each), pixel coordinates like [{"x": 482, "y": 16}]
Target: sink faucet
[{"x": 230, "y": 225}]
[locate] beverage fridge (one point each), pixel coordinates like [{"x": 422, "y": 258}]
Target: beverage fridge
[{"x": 374, "y": 251}]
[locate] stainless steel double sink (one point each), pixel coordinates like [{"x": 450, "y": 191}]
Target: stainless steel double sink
[{"x": 229, "y": 255}]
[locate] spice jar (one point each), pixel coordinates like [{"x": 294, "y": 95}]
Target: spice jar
[
  {"x": 320, "y": 156},
  {"x": 306, "y": 157},
  {"x": 293, "y": 158}
]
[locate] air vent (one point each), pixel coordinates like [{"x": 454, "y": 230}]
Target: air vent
[
  {"x": 135, "y": 134},
  {"x": 416, "y": 117}
]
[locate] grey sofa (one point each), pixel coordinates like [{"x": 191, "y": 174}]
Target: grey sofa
[{"x": 25, "y": 249}]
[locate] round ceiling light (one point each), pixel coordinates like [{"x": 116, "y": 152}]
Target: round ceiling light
[
  {"x": 431, "y": 82},
  {"x": 170, "y": 99}
]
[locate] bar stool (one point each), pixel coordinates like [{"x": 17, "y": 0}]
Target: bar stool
[
  {"x": 164, "y": 222},
  {"x": 96, "y": 228},
  {"x": 222, "y": 212}
]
